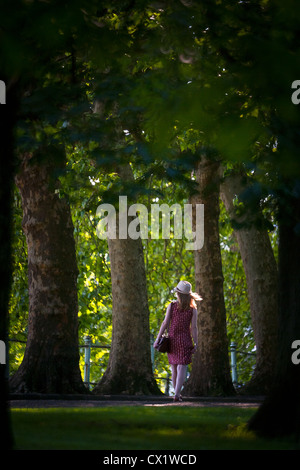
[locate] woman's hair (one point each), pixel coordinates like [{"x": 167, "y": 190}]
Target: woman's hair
[{"x": 188, "y": 300}]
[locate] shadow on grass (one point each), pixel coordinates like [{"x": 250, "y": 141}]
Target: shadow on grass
[{"x": 138, "y": 428}]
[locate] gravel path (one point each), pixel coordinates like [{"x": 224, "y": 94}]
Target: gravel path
[{"x": 90, "y": 401}]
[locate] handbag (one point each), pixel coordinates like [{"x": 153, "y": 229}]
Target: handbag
[{"x": 164, "y": 344}]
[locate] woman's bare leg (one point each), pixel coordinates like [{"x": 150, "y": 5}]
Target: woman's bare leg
[
  {"x": 174, "y": 374},
  {"x": 181, "y": 375}
]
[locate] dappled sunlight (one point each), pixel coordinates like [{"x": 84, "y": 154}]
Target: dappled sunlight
[
  {"x": 239, "y": 431},
  {"x": 144, "y": 148}
]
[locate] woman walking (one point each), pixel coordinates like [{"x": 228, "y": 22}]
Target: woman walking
[{"x": 181, "y": 323}]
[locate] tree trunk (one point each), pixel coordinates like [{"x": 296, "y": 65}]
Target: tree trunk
[
  {"x": 210, "y": 373},
  {"x": 262, "y": 283},
  {"x": 129, "y": 369},
  {"x": 279, "y": 415},
  {"x": 51, "y": 360},
  {"x": 8, "y": 114}
]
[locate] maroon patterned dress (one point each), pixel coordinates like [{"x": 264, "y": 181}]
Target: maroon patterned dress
[{"x": 181, "y": 344}]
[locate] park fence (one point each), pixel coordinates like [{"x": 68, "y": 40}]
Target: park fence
[
  {"x": 87, "y": 362},
  {"x": 88, "y": 345}
]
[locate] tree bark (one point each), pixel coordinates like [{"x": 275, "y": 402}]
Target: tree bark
[
  {"x": 210, "y": 373},
  {"x": 279, "y": 415},
  {"x": 262, "y": 284},
  {"x": 129, "y": 369},
  {"x": 8, "y": 114},
  {"x": 51, "y": 360}
]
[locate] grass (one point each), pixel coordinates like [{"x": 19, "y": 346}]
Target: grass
[{"x": 138, "y": 428}]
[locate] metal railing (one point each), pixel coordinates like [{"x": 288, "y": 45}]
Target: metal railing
[
  {"x": 87, "y": 357},
  {"x": 87, "y": 362},
  {"x": 233, "y": 361},
  {"x": 88, "y": 345}
]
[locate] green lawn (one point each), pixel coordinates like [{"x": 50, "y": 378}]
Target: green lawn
[{"x": 137, "y": 427}]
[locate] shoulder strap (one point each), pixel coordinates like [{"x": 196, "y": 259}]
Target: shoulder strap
[{"x": 172, "y": 306}]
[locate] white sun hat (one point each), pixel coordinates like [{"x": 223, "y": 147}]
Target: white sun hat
[{"x": 184, "y": 287}]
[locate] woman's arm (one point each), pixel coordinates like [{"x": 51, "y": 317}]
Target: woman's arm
[
  {"x": 164, "y": 326},
  {"x": 194, "y": 329}
]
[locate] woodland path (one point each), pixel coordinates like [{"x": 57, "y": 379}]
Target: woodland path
[{"x": 96, "y": 401}]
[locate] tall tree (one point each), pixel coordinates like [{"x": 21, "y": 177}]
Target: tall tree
[
  {"x": 210, "y": 373},
  {"x": 8, "y": 113},
  {"x": 262, "y": 280},
  {"x": 129, "y": 369},
  {"x": 51, "y": 360},
  {"x": 279, "y": 415},
  {"x": 259, "y": 46},
  {"x": 40, "y": 46},
  {"x": 248, "y": 66}
]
